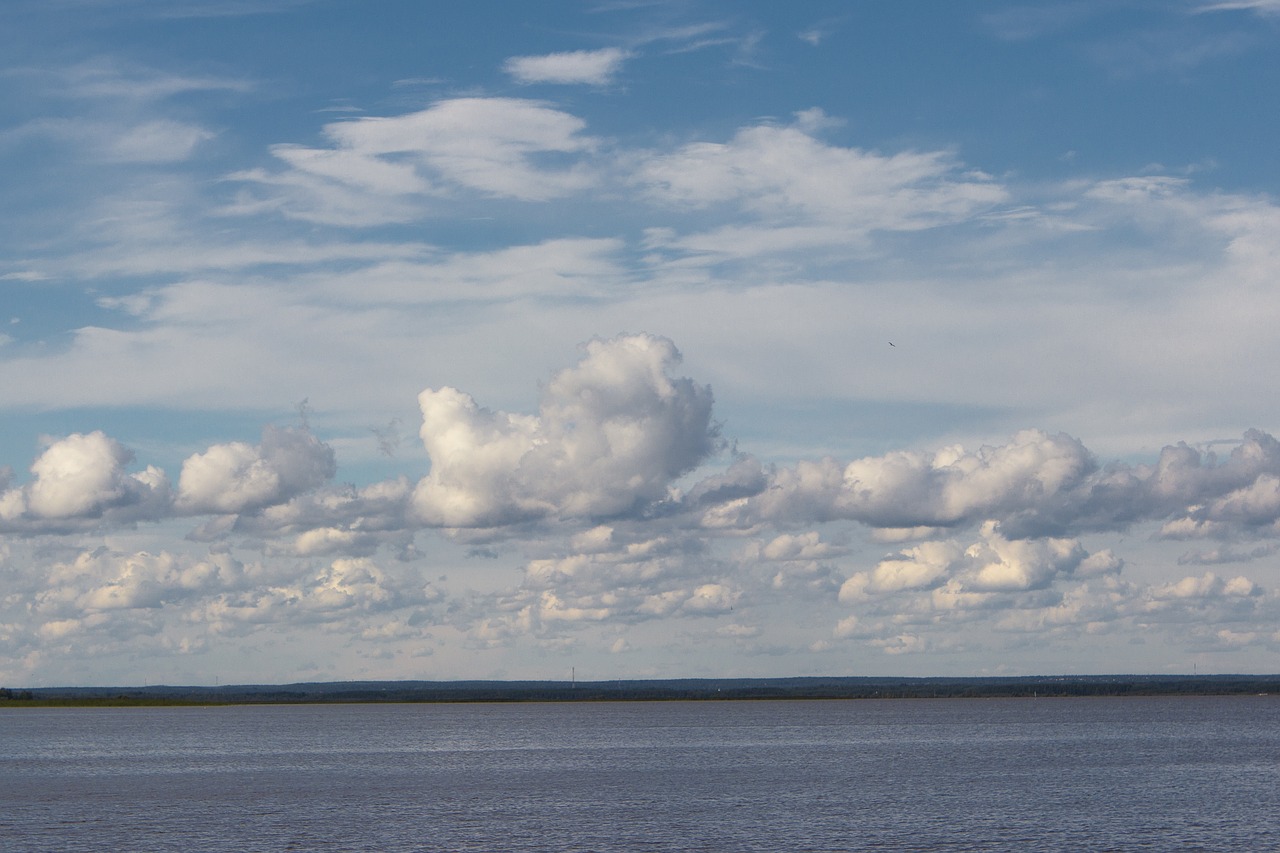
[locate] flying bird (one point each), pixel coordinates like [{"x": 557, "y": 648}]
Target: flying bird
[{"x": 891, "y": 343}]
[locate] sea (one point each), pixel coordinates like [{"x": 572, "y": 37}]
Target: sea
[{"x": 1049, "y": 774}]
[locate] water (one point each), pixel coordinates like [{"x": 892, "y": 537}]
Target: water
[{"x": 1162, "y": 774}]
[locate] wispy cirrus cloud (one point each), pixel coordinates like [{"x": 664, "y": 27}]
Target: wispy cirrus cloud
[
  {"x": 1262, "y": 7},
  {"x": 149, "y": 141},
  {"x": 796, "y": 190},
  {"x": 591, "y": 67},
  {"x": 384, "y": 169},
  {"x": 106, "y": 78},
  {"x": 126, "y": 112}
]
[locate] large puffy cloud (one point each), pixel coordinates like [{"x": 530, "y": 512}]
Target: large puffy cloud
[
  {"x": 907, "y": 489},
  {"x": 1003, "y": 565},
  {"x": 1035, "y": 485},
  {"x": 81, "y": 477},
  {"x": 1257, "y": 503},
  {"x": 238, "y": 477},
  {"x": 611, "y": 435},
  {"x": 78, "y": 475},
  {"x": 83, "y": 481},
  {"x": 1205, "y": 494},
  {"x": 920, "y": 567}
]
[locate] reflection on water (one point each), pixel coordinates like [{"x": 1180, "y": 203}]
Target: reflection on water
[{"x": 1051, "y": 774}]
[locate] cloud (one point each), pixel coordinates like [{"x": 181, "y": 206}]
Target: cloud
[
  {"x": 656, "y": 593},
  {"x": 808, "y": 192},
  {"x": 105, "y": 581},
  {"x": 382, "y": 169},
  {"x": 1257, "y": 503},
  {"x": 154, "y": 140},
  {"x": 912, "y": 489},
  {"x": 79, "y": 475},
  {"x": 221, "y": 8},
  {"x": 993, "y": 564},
  {"x": 1092, "y": 607},
  {"x": 1035, "y": 485},
  {"x": 380, "y": 507},
  {"x": 1169, "y": 50},
  {"x": 552, "y": 269},
  {"x": 1025, "y": 22},
  {"x": 158, "y": 141},
  {"x": 1262, "y": 7},
  {"x": 805, "y": 546},
  {"x": 237, "y": 477},
  {"x": 82, "y": 478},
  {"x": 593, "y": 67},
  {"x": 1004, "y": 565},
  {"x": 1208, "y": 586},
  {"x": 611, "y": 576},
  {"x": 920, "y": 567},
  {"x": 106, "y": 78},
  {"x": 611, "y": 435},
  {"x": 594, "y": 488},
  {"x": 778, "y": 195},
  {"x": 1099, "y": 563},
  {"x": 197, "y": 268},
  {"x": 115, "y": 596},
  {"x": 711, "y": 599},
  {"x": 1218, "y": 556}
]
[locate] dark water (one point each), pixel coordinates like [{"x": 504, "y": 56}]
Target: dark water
[{"x": 1028, "y": 775}]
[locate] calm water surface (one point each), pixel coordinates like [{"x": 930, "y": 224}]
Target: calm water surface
[{"x": 1160, "y": 774}]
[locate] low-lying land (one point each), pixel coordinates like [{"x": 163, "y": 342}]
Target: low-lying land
[{"x": 647, "y": 690}]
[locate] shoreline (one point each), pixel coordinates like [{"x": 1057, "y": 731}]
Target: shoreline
[{"x": 650, "y": 690}]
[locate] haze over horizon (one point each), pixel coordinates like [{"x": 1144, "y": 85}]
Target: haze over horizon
[{"x": 665, "y": 339}]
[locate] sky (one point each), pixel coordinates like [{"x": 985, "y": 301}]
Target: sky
[{"x": 637, "y": 339}]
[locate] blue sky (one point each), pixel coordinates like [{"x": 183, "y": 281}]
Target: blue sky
[{"x": 404, "y": 340}]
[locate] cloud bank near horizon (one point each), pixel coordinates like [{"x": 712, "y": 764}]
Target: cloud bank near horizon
[
  {"x": 630, "y": 509},
  {"x": 990, "y": 395}
]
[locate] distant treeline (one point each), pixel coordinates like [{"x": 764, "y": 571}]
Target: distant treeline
[{"x": 651, "y": 690}]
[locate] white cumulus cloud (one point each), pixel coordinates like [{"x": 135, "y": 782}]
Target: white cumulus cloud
[
  {"x": 235, "y": 477},
  {"x": 82, "y": 477},
  {"x": 612, "y": 433}
]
